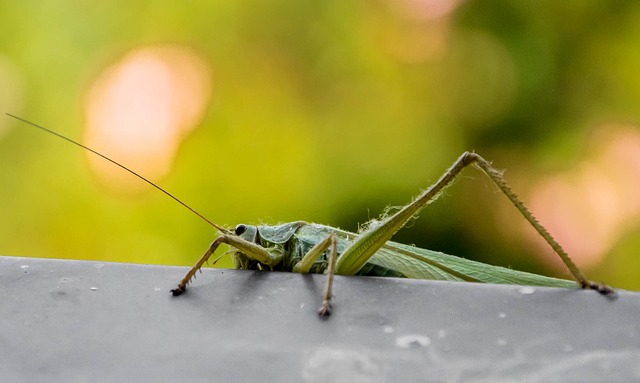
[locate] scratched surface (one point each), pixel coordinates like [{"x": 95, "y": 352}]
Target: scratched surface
[{"x": 78, "y": 321}]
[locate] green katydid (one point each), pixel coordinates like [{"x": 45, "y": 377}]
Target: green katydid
[{"x": 313, "y": 248}]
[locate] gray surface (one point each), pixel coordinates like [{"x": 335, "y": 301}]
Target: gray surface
[{"x": 72, "y": 321}]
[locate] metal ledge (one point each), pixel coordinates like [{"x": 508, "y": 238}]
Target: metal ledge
[{"x": 79, "y": 321}]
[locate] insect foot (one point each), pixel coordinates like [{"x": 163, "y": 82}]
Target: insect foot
[
  {"x": 179, "y": 290},
  {"x": 325, "y": 311},
  {"x": 601, "y": 288}
]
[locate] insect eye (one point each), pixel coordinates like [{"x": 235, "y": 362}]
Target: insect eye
[{"x": 240, "y": 229}]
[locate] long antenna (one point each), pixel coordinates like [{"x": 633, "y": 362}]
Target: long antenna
[{"x": 221, "y": 229}]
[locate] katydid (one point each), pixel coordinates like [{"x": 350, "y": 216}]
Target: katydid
[{"x": 313, "y": 248}]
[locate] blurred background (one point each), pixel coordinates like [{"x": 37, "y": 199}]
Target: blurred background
[{"x": 273, "y": 111}]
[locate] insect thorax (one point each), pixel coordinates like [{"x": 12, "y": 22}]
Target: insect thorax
[{"x": 291, "y": 252}]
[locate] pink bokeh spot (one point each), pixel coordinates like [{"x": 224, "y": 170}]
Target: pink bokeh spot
[
  {"x": 589, "y": 208},
  {"x": 426, "y": 9},
  {"x": 139, "y": 110}
]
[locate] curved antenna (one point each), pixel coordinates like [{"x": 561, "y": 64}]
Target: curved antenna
[{"x": 221, "y": 229}]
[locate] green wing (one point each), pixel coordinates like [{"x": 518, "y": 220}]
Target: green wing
[{"x": 417, "y": 263}]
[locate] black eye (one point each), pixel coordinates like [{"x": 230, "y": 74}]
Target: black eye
[{"x": 240, "y": 229}]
